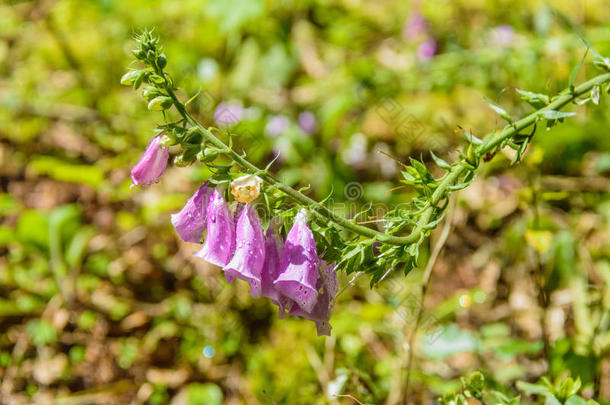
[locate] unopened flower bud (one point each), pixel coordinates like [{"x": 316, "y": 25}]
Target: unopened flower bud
[
  {"x": 246, "y": 188},
  {"x": 208, "y": 154},
  {"x": 160, "y": 103},
  {"x": 156, "y": 79},
  {"x": 151, "y": 92},
  {"x": 130, "y": 77},
  {"x": 161, "y": 61}
]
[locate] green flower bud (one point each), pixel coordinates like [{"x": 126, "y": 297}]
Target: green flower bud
[
  {"x": 151, "y": 92},
  {"x": 168, "y": 140},
  {"x": 139, "y": 54},
  {"x": 156, "y": 79},
  {"x": 161, "y": 61},
  {"x": 150, "y": 55},
  {"x": 207, "y": 155},
  {"x": 139, "y": 80},
  {"x": 160, "y": 103},
  {"x": 130, "y": 77}
]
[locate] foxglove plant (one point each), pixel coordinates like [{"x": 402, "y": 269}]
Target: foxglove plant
[{"x": 300, "y": 279}]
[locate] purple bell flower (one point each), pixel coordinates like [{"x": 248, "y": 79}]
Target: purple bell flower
[
  {"x": 247, "y": 262},
  {"x": 271, "y": 268},
  {"x": 190, "y": 222},
  {"x": 151, "y": 165},
  {"x": 320, "y": 314},
  {"x": 220, "y": 240},
  {"x": 299, "y": 265}
]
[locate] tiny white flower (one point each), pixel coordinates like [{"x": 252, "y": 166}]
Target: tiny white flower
[{"x": 246, "y": 188}]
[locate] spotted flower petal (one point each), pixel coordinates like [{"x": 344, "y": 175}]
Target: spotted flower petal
[
  {"x": 151, "y": 165},
  {"x": 247, "y": 262},
  {"x": 190, "y": 222},
  {"x": 271, "y": 268},
  {"x": 220, "y": 240},
  {"x": 320, "y": 314},
  {"x": 299, "y": 265}
]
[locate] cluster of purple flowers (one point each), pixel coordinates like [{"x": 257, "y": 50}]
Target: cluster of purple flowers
[{"x": 289, "y": 273}]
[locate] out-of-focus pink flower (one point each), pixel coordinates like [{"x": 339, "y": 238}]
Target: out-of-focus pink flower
[
  {"x": 247, "y": 262},
  {"x": 220, "y": 240},
  {"x": 414, "y": 28},
  {"x": 307, "y": 122},
  {"x": 229, "y": 113},
  {"x": 151, "y": 165},
  {"x": 502, "y": 35},
  {"x": 276, "y": 125},
  {"x": 427, "y": 49},
  {"x": 190, "y": 222}
]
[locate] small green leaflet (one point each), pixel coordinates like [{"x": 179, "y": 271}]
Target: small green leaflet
[
  {"x": 536, "y": 100},
  {"x": 501, "y": 112},
  {"x": 554, "y": 115}
]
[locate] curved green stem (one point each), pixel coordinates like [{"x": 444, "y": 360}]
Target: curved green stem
[{"x": 491, "y": 142}]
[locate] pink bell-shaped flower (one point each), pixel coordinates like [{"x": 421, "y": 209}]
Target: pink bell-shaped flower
[
  {"x": 247, "y": 262},
  {"x": 299, "y": 265},
  {"x": 320, "y": 314},
  {"x": 191, "y": 221},
  {"x": 271, "y": 267},
  {"x": 151, "y": 165},
  {"x": 220, "y": 240}
]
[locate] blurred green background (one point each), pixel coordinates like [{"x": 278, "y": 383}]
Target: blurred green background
[{"x": 102, "y": 303}]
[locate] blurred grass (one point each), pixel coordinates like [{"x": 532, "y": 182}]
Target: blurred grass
[{"x": 101, "y": 303}]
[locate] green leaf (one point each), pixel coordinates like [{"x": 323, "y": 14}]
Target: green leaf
[
  {"x": 576, "y": 400},
  {"x": 554, "y": 115},
  {"x": 501, "y": 112},
  {"x": 575, "y": 71},
  {"x": 440, "y": 162},
  {"x": 536, "y": 100},
  {"x": 532, "y": 389},
  {"x": 61, "y": 170}
]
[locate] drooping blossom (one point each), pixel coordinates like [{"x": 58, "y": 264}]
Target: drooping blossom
[
  {"x": 229, "y": 113},
  {"x": 328, "y": 287},
  {"x": 299, "y": 265},
  {"x": 246, "y": 188},
  {"x": 271, "y": 268},
  {"x": 276, "y": 125},
  {"x": 191, "y": 221},
  {"x": 307, "y": 122},
  {"x": 249, "y": 256},
  {"x": 427, "y": 49},
  {"x": 220, "y": 240},
  {"x": 415, "y": 28},
  {"x": 151, "y": 165}
]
